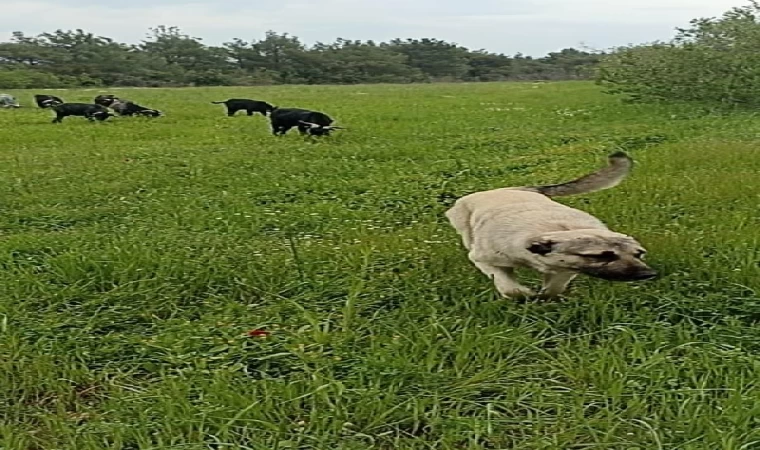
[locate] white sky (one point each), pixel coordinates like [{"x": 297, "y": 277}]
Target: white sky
[{"x": 533, "y": 27}]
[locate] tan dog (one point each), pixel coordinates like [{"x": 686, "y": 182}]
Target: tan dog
[{"x": 522, "y": 227}]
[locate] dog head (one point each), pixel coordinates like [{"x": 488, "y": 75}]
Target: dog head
[
  {"x": 150, "y": 113},
  {"x": 319, "y": 130},
  {"x": 107, "y": 100},
  {"x": 599, "y": 253},
  {"x": 103, "y": 115},
  {"x": 49, "y": 103}
]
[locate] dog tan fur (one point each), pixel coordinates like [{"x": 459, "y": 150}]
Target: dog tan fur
[{"x": 507, "y": 228}]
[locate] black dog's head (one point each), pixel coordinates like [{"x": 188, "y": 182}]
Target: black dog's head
[
  {"x": 319, "y": 130},
  {"x": 103, "y": 115},
  {"x": 49, "y": 103},
  {"x": 107, "y": 100},
  {"x": 150, "y": 113}
]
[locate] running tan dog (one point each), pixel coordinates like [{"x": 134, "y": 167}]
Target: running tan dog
[{"x": 522, "y": 227}]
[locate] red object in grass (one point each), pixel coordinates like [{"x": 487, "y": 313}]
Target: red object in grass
[{"x": 258, "y": 333}]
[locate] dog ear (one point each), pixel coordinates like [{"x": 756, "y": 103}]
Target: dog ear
[{"x": 542, "y": 248}]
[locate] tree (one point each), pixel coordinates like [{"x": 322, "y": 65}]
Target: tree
[
  {"x": 571, "y": 63},
  {"x": 713, "y": 60},
  {"x": 350, "y": 62},
  {"x": 23, "y": 50},
  {"x": 437, "y": 59},
  {"x": 187, "y": 57},
  {"x": 245, "y": 55},
  {"x": 286, "y": 56},
  {"x": 485, "y": 66}
]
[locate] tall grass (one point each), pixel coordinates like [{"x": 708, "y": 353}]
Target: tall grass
[{"x": 137, "y": 254}]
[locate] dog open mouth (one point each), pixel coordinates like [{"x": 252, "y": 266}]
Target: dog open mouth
[{"x": 627, "y": 276}]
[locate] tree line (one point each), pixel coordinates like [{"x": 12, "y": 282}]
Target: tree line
[{"x": 169, "y": 57}]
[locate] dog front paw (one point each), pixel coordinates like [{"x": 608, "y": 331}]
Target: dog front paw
[
  {"x": 517, "y": 293},
  {"x": 549, "y": 296}
]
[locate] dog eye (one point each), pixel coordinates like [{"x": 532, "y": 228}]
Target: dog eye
[{"x": 604, "y": 256}]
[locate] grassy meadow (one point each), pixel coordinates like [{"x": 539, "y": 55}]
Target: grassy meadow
[{"x": 137, "y": 255}]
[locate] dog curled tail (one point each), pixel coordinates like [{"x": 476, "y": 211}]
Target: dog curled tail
[{"x": 620, "y": 165}]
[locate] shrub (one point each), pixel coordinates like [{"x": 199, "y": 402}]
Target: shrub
[{"x": 714, "y": 60}]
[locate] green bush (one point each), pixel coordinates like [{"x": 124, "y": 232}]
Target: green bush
[
  {"x": 714, "y": 61},
  {"x": 26, "y": 79}
]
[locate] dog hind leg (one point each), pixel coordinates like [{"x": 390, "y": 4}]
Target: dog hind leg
[{"x": 459, "y": 216}]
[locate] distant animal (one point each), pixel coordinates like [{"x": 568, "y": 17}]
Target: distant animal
[
  {"x": 313, "y": 123},
  {"x": 127, "y": 108},
  {"x": 47, "y": 101},
  {"x": 105, "y": 99},
  {"x": 8, "y": 101},
  {"x": 507, "y": 228},
  {"x": 243, "y": 104},
  {"x": 88, "y": 110}
]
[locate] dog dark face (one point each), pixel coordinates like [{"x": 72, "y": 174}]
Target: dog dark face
[
  {"x": 107, "y": 100},
  {"x": 313, "y": 129},
  {"x": 321, "y": 131},
  {"x": 102, "y": 115},
  {"x": 151, "y": 113},
  {"x": 599, "y": 253}
]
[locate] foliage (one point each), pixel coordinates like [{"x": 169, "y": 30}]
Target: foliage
[
  {"x": 138, "y": 257},
  {"x": 714, "y": 60},
  {"x": 168, "y": 57}
]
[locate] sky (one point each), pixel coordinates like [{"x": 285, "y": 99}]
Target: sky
[{"x": 532, "y": 27}]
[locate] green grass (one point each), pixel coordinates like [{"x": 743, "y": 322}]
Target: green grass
[{"x": 135, "y": 255}]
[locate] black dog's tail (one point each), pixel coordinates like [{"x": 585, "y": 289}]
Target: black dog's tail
[{"x": 219, "y": 103}]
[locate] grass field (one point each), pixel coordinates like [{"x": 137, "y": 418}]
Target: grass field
[{"x": 137, "y": 255}]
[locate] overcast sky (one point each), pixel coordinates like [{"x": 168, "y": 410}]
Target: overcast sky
[{"x": 532, "y": 27}]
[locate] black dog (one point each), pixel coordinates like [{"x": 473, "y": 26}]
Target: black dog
[
  {"x": 127, "y": 108},
  {"x": 105, "y": 99},
  {"x": 313, "y": 123},
  {"x": 90, "y": 111},
  {"x": 243, "y": 104},
  {"x": 47, "y": 101}
]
